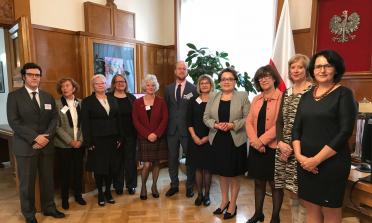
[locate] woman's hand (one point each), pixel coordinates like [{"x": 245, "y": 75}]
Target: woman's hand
[
  {"x": 302, "y": 159},
  {"x": 78, "y": 144},
  {"x": 284, "y": 158},
  {"x": 73, "y": 143},
  {"x": 262, "y": 149},
  {"x": 285, "y": 148},
  {"x": 310, "y": 164},
  {"x": 118, "y": 144},
  {"x": 222, "y": 126},
  {"x": 91, "y": 148},
  {"x": 197, "y": 140},
  {"x": 152, "y": 137},
  {"x": 256, "y": 143},
  {"x": 205, "y": 139}
]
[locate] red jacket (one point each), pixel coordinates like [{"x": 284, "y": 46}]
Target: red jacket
[{"x": 158, "y": 119}]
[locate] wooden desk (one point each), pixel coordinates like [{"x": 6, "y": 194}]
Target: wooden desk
[{"x": 361, "y": 196}]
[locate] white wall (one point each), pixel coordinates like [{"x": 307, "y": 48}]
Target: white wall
[
  {"x": 3, "y": 96},
  {"x": 153, "y": 23},
  {"x": 300, "y": 12}
]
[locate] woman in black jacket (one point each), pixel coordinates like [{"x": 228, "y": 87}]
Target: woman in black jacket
[
  {"x": 126, "y": 154},
  {"x": 102, "y": 136}
]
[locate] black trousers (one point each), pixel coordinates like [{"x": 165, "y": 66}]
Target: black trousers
[
  {"x": 127, "y": 161},
  {"x": 27, "y": 167},
  {"x": 65, "y": 156}
]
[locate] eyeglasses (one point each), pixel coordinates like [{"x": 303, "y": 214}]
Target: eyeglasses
[
  {"x": 98, "y": 83},
  {"x": 33, "y": 75},
  {"x": 205, "y": 83},
  {"x": 266, "y": 76},
  {"x": 325, "y": 66},
  {"x": 180, "y": 68},
  {"x": 120, "y": 82},
  {"x": 227, "y": 79}
]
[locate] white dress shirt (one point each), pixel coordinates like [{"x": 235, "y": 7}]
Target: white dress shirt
[
  {"x": 32, "y": 96},
  {"x": 73, "y": 111}
]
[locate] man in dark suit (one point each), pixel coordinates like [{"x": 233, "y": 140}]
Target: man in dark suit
[
  {"x": 177, "y": 96},
  {"x": 32, "y": 114}
]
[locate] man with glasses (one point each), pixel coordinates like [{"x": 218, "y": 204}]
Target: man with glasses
[
  {"x": 32, "y": 114},
  {"x": 177, "y": 96}
]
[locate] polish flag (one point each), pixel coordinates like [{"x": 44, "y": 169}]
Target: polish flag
[{"x": 283, "y": 49}]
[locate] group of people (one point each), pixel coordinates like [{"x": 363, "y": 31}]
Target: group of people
[{"x": 298, "y": 139}]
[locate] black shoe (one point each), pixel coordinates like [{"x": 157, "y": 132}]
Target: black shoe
[
  {"x": 156, "y": 194},
  {"x": 171, "y": 191},
  {"x": 109, "y": 198},
  {"x": 65, "y": 204},
  {"x": 206, "y": 202},
  {"x": 219, "y": 211},
  {"x": 199, "y": 201},
  {"x": 143, "y": 197},
  {"x": 227, "y": 215},
  {"x": 55, "y": 214},
  {"x": 189, "y": 192},
  {"x": 80, "y": 200},
  {"x": 131, "y": 191},
  {"x": 101, "y": 200},
  {"x": 260, "y": 219},
  {"x": 119, "y": 191},
  {"x": 31, "y": 220}
]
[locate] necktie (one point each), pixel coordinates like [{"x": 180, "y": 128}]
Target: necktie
[
  {"x": 35, "y": 102},
  {"x": 178, "y": 94}
]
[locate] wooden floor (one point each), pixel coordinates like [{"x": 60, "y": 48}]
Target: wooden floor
[{"x": 130, "y": 209}]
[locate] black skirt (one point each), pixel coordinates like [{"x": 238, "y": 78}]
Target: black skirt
[
  {"x": 102, "y": 159},
  {"x": 261, "y": 166},
  {"x": 198, "y": 157}
]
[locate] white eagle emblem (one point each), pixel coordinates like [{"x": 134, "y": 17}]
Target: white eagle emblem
[{"x": 347, "y": 26}]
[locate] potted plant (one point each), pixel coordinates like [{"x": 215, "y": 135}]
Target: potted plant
[{"x": 202, "y": 61}]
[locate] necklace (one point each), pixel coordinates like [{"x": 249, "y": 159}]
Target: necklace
[{"x": 325, "y": 93}]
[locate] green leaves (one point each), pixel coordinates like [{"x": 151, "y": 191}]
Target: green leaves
[{"x": 202, "y": 61}]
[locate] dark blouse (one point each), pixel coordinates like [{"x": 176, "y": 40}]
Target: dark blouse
[
  {"x": 149, "y": 112},
  {"x": 126, "y": 115},
  {"x": 194, "y": 118}
]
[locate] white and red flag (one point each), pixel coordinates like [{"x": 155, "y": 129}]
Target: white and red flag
[{"x": 283, "y": 49}]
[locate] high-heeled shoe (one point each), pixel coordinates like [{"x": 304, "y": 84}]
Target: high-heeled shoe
[
  {"x": 227, "y": 215},
  {"x": 143, "y": 197},
  {"x": 219, "y": 211},
  {"x": 260, "y": 219},
  {"x": 155, "y": 195},
  {"x": 109, "y": 198},
  {"x": 101, "y": 199}
]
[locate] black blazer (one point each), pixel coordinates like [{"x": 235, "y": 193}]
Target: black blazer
[
  {"x": 96, "y": 122},
  {"x": 28, "y": 124},
  {"x": 131, "y": 99}
]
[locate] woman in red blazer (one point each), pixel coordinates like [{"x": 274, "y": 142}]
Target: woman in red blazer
[{"x": 150, "y": 118}]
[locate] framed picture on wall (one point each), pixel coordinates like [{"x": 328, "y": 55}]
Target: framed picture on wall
[
  {"x": 2, "y": 84},
  {"x": 112, "y": 66}
]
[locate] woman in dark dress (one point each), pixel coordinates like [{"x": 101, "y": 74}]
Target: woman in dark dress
[
  {"x": 127, "y": 151},
  {"x": 324, "y": 123},
  {"x": 225, "y": 116},
  {"x": 150, "y": 118},
  {"x": 102, "y": 135},
  {"x": 262, "y": 139},
  {"x": 198, "y": 148}
]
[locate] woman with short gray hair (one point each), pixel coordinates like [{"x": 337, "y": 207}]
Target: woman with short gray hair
[
  {"x": 150, "y": 118},
  {"x": 102, "y": 136}
]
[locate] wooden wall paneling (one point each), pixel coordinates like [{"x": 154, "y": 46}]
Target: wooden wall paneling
[
  {"x": 139, "y": 66},
  {"x": 279, "y": 8},
  {"x": 302, "y": 41},
  {"x": 170, "y": 61},
  {"x": 57, "y": 53},
  {"x": 98, "y": 18},
  {"x": 125, "y": 24},
  {"x": 6, "y": 12},
  {"x": 155, "y": 65}
]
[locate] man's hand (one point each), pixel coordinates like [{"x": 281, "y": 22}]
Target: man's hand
[
  {"x": 42, "y": 140},
  {"x": 37, "y": 146},
  {"x": 91, "y": 148}
]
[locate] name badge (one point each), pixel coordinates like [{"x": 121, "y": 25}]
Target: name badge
[
  {"x": 199, "y": 100},
  {"x": 64, "y": 109},
  {"x": 48, "y": 106},
  {"x": 369, "y": 121},
  {"x": 76, "y": 103},
  {"x": 188, "y": 96},
  {"x": 148, "y": 107}
]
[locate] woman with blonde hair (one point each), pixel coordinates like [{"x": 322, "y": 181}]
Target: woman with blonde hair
[
  {"x": 198, "y": 148},
  {"x": 285, "y": 160},
  {"x": 126, "y": 153},
  {"x": 150, "y": 118}
]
